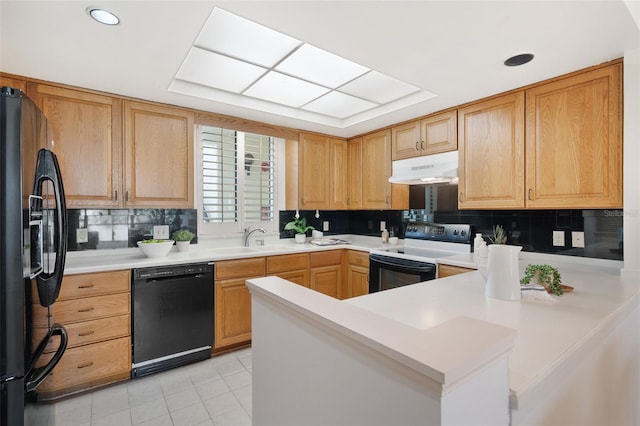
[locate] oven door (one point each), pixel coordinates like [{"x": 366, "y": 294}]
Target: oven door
[{"x": 387, "y": 272}]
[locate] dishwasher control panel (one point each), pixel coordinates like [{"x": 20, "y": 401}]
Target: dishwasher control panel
[{"x": 172, "y": 271}]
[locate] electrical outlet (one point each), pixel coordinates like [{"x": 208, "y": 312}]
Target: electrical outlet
[
  {"x": 161, "y": 232},
  {"x": 82, "y": 235},
  {"x": 325, "y": 225},
  {"x": 577, "y": 239},
  {"x": 383, "y": 225},
  {"x": 558, "y": 238}
]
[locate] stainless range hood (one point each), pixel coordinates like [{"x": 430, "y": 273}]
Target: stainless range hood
[{"x": 426, "y": 169}]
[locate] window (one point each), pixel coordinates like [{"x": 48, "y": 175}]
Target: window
[{"x": 238, "y": 180}]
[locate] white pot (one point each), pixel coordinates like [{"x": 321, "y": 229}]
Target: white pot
[
  {"x": 301, "y": 238},
  {"x": 183, "y": 245},
  {"x": 503, "y": 281}
]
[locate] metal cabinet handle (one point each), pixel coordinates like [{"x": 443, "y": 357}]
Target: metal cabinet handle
[
  {"x": 88, "y": 364},
  {"x": 417, "y": 145},
  {"x": 89, "y": 309},
  {"x": 387, "y": 200},
  {"x": 85, "y": 286},
  {"x": 460, "y": 196},
  {"x": 530, "y": 192},
  {"x": 115, "y": 195},
  {"x": 86, "y": 333},
  {"x": 126, "y": 196},
  {"x": 422, "y": 145}
]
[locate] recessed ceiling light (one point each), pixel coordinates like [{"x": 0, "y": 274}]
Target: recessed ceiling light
[
  {"x": 517, "y": 60},
  {"x": 103, "y": 16}
]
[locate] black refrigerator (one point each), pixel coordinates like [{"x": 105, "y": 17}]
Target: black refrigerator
[{"x": 33, "y": 244}]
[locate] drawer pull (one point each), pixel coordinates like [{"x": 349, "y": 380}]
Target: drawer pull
[
  {"x": 86, "y": 286},
  {"x": 89, "y": 309},
  {"x": 86, "y": 333},
  {"x": 88, "y": 364}
]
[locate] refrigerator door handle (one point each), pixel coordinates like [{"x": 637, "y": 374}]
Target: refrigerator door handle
[
  {"x": 47, "y": 168},
  {"x": 35, "y": 376}
]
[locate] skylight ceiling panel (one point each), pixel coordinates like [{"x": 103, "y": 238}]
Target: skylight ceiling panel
[
  {"x": 378, "y": 88},
  {"x": 339, "y": 105},
  {"x": 321, "y": 67},
  {"x": 284, "y": 89},
  {"x": 241, "y": 38},
  {"x": 218, "y": 71}
]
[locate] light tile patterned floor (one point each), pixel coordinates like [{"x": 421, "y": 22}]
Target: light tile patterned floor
[{"x": 213, "y": 392}]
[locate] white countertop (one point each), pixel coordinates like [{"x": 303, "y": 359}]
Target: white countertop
[
  {"x": 117, "y": 259},
  {"x": 550, "y": 335}
]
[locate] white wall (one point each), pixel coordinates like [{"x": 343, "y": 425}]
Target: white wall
[{"x": 631, "y": 135}]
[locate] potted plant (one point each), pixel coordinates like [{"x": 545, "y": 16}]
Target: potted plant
[
  {"x": 183, "y": 238},
  {"x": 299, "y": 224},
  {"x": 499, "y": 237},
  {"x": 544, "y": 275}
]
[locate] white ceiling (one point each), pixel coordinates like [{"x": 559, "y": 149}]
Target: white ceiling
[{"x": 454, "y": 49}]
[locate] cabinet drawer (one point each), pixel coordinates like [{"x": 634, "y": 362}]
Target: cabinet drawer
[
  {"x": 325, "y": 258},
  {"x": 87, "y": 332},
  {"x": 78, "y": 310},
  {"x": 359, "y": 258},
  {"x": 88, "y": 363},
  {"x": 241, "y": 268},
  {"x": 83, "y": 285},
  {"x": 287, "y": 262},
  {"x": 448, "y": 270}
]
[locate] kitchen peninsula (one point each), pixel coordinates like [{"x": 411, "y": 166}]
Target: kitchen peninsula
[{"x": 441, "y": 352}]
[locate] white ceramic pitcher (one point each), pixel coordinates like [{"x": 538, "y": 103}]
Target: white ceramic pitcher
[{"x": 503, "y": 279}]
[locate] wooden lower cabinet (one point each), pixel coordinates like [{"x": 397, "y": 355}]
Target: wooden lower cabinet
[
  {"x": 448, "y": 270},
  {"x": 357, "y": 273},
  {"x": 291, "y": 267},
  {"x": 326, "y": 272},
  {"x": 95, "y": 310},
  {"x": 232, "y": 300}
]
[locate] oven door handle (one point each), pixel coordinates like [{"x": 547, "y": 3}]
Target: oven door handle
[{"x": 411, "y": 265}]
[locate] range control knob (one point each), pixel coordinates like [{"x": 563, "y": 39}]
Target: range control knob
[{"x": 462, "y": 233}]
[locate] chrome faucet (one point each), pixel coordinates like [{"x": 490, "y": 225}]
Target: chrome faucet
[{"x": 250, "y": 230}]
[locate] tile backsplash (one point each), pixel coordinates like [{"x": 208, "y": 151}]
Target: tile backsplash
[
  {"x": 121, "y": 228},
  {"x": 531, "y": 229}
]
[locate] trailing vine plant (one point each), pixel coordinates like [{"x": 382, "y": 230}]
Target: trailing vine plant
[{"x": 546, "y": 275}]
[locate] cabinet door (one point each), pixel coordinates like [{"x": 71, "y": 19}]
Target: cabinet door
[
  {"x": 314, "y": 185},
  {"x": 232, "y": 313},
  {"x": 354, "y": 198},
  {"x": 574, "y": 141},
  {"x": 339, "y": 157},
  {"x": 406, "y": 141},
  {"x": 327, "y": 280},
  {"x": 300, "y": 276},
  {"x": 158, "y": 156},
  {"x": 376, "y": 170},
  {"x": 86, "y": 133},
  {"x": 449, "y": 270},
  {"x": 358, "y": 280},
  {"x": 13, "y": 82},
  {"x": 491, "y": 148},
  {"x": 440, "y": 133}
]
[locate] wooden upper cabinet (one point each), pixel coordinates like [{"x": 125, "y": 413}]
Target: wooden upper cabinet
[
  {"x": 406, "y": 140},
  {"x": 86, "y": 132},
  {"x": 314, "y": 176},
  {"x": 491, "y": 149},
  {"x": 322, "y": 172},
  {"x": 13, "y": 82},
  {"x": 158, "y": 152},
  {"x": 339, "y": 158},
  {"x": 574, "y": 141},
  {"x": 354, "y": 174},
  {"x": 431, "y": 135},
  {"x": 376, "y": 170}
]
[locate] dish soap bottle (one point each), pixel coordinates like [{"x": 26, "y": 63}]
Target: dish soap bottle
[{"x": 385, "y": 236}]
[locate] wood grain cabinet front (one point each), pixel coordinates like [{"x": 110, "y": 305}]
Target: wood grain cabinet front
[
  {"x": 291, "y": 267},
  {"x": 433, "y": 134},
  {"x": 232, "y": 300},
  {"x": 326, "y": 272},
  {"x": 357, "y": 273},
  {"x": 95, "y": 310},
  {"x": 449, "y": 270}
]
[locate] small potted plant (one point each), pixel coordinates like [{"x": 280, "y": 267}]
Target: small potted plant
[
  {"x": 183, "y": 238},
  {"x": 544, "y": 275},
  {"x": 299, "y": 224},
  {"x": 499, "y": 237}
]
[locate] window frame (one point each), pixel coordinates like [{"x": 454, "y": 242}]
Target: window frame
[{"x": 233, "y": 228}]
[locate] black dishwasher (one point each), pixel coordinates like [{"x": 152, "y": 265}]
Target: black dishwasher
[{"x": 172, "y": 316}]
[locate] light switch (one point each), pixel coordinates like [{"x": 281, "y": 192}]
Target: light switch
[
  {"x": 383, "y": 225},
  {"x": 558, "y": 238},
  {"x": 82, "y": 235},
  {"x": 325, "y": 225}
]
